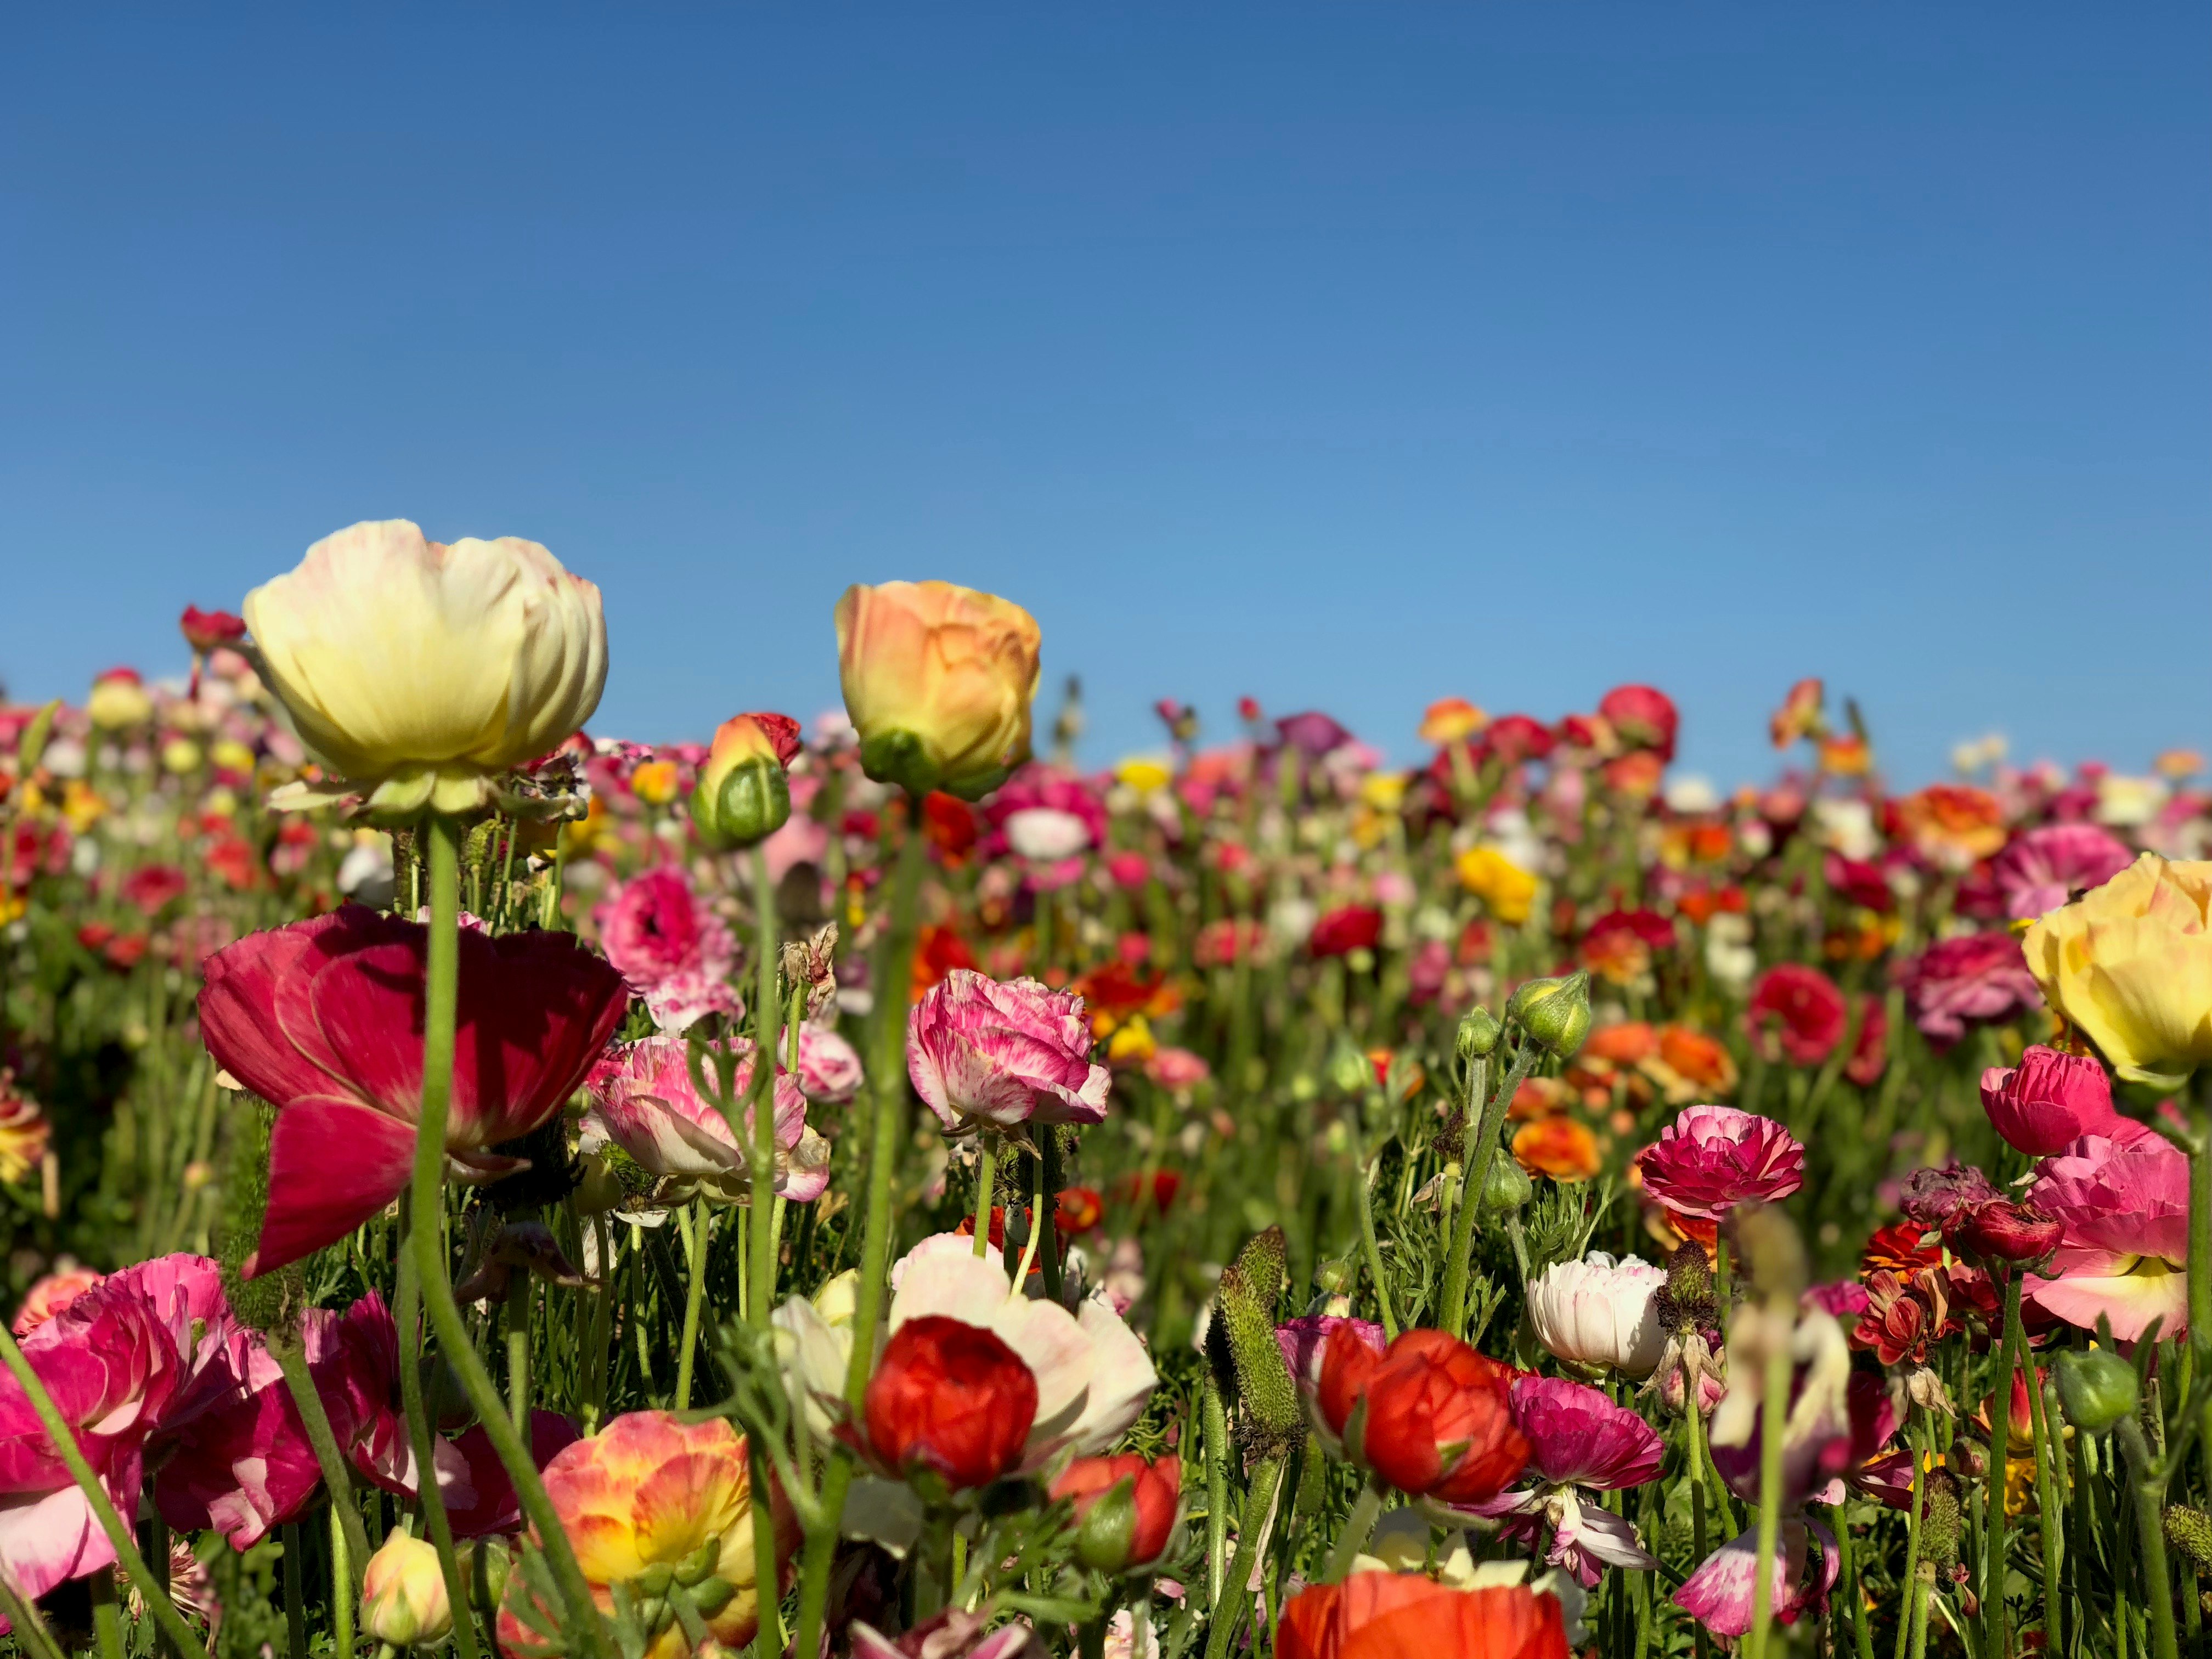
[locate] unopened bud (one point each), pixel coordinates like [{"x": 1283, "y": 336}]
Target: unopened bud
[
  {"x": 1244, "y": 1320},
  {"x": 2098, "y": 1389},
  {"x": 1108, "y": 1531},
  {"x": 1555, "y": 1012},
  {"x": 742, "y": 797},
  {"x": 1940, "y": 1517},
  {"x": 402, "y": 1595},
  {"x": 1479, "y": 1031},
  {"x": 1506, "y": 1187},
  {"x": 2189, "y": 1531}
]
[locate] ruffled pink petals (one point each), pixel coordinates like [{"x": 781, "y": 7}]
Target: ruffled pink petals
[
  {"x": 1713, "y": 1158},
  {"x": 984, "y": 1052},
  {"x": 331, "y": 1166},
  {"x": 1578, "y": 1435},
  {"x": 48, "y": 1538},
  {"x": 1719, "y": 1594},
  {"x": 669, "y": 946}
]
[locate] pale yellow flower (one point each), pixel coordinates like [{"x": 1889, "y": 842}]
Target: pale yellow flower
[{"x": 2131, "y": 963}]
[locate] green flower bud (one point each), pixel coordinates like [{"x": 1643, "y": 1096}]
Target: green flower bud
[
  {"x": 1351, "y": 1073},
  {"x": 741, "y": 797},
  {"x": 1108, "y": 1531},
  {"x": 1555, "y": 1012},
  {"x": 2098, "y": 1389},
  {"x": 2189, "y": 1531},
  {"x": 1506, "y": 1186},
  {"x": 1479, "y": 1031},
  {"x": 1244, "y": 1325}
]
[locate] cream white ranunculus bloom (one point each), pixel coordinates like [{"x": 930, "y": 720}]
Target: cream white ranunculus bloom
[
  {"x": 417, "y": 671},
  {"x": 1598, "y": 1311}
]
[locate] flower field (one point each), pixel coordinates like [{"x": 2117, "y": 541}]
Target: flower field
[{"x": 477, "y": 1184}]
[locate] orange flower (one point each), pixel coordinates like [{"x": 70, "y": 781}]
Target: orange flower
[
  {"x": 1799, "y": 715},
  {"x": 1846, "y": 757},
  {"x": 1952, "y": 824},
  {"x": 937, "y": 953},
  {"x": 1696, "y": 1060},
  {"x": 1539, "y": 1097},
  {"x": 1559, "y": 1147},
  {"x": 1625, "y": 1043},
  {"x": 1386, "y": 1615},
  {"x": 1617, "y": 955},
  {"x": 1451, "y": 720}
]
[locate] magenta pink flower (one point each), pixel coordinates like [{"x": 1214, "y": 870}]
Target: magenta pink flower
[
  {"x": 111, "y": 1368},
  {"x": 1796, "y": 1013},
  {"x": 1071, "y": 816},
  {"x": 1711, "y": 1158},
  {"x": 1978, "y": 976},
  {"x": 667, "y": 943},
  {"x": 1719, "y": 1594},
  {"x": 2051, "y": 1100},
  {"x": 1303, "y": 1338},
  {"x": 2041, "y": 869},
  {"x": 1578, "y": 1439},
  {"x": 986, "y": 1052},
  {"x": 644, "y": 1100},
  {"x": 2123, "y": 1210},
  {"x": 324, "y": 1020}
]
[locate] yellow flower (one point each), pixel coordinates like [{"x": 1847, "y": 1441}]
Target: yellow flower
[
  {"x": 232, "y": 755},
  {"x": 1384, "y": 791},
  {"x": 402, "y": 1595},
  {"x": 1131, "y": 1045},
  {"x": 118, "y": 701},
  {"x": 665, "y": 1508},
  {"x": 653, "y": 782},
  {"x": 1144, "y": 773},
  {"x": 180, "y": 755},
  {"x": 418, "y": 671},
  {"x": 24, "y": 1131},
  {"x": 82, "y": 805},
  {"x": 2130, "y": 964},
  {"x": 938, "y": 680},
  {"x": 1503, "y": 885}
]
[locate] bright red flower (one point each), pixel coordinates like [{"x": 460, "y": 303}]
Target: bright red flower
[
  {"x": 1870, "y": 1053},
  {"x": 1643, "y": 716},
  {"x": 324, "y": 1020},
  {"x": 1796, "y": 1013},
  {"x": 1898, "y": 1248},
  {"x": 1353, "y": 928},
  {"x": 1078, "y": 1210},
  {"x": 152, "y": 886},
  {"x": 1513, "y": 739},
  {"x": 949, "y": 823},
  {"x": 204, "y": 630},
  {"x": 950, "y": 1397},
  {"x": 936, "y": 955},
  {"x": 1389, "y": 1615},
  {"x": 1156, "y": 1487},
  {"x": 1430, "y": 1415}
]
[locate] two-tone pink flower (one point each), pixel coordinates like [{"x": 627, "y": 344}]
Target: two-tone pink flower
[
  {"x": 995, "y": 1054},
  {"x": 1579, "y": 1442},
  {"x": 1711, "y": 1158},
  {"x": 645, "y": 1100}
]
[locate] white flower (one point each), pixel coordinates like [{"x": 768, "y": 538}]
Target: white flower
[
  {"x": 1847, "y": 826},
  {"x": 1692, "y": 794},
  {"x": 1046, "y": 834},
  {"x": 1600, "y": 1312},
  {"x": 2128, "y": 803}
]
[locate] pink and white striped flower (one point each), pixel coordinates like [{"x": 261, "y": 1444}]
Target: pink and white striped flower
[
  {"x": 995, "y": 1054},
  {"x": 644, "y": 1101}
]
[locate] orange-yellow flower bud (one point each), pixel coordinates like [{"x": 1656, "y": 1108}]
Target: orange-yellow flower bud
[
  {"x": 743, "y": 795},
  {"x": 402, "y": 1595},
  {"x": 938, "y": 680}
]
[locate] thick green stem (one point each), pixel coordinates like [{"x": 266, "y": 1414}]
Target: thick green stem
[
  {"x": 1995, "y": 1641},
  {"x": 987, "y": 1183},
  {"x": 407, "y": 1313},
  {"x": 295, "y": 1593},
  {"x": 2048, "y": 1511},
  {"x": 1358, "y": 1527},
  {"x": 1912, "y": 1633},
  {"x": 107, "y": 1617},
  {"x": 2147, "y": 1486},
  {"x": 694, "y": 1293},
  {"x": 1917, "y": 1508},
  {"x": 518, "y": 1351},
  {"x": 1216, "y": 1495},
  {"x": 768, "y": 1639},
  {"x": 1774, "y": 1412},
  {"x": 888, "y": 1082},
  {"x": 342, "y": 1567},
  {"x": 1854, "y": 1598},
  {"x": 1258, "y": 1503},
  {"x": 441, "y": 994},
  {"x": 118, "y": 1533},
  {"x": 1478, "y": 1175},
  {"x": 1364, "y": 1207},
  {"x": 293, "y": 1359}
]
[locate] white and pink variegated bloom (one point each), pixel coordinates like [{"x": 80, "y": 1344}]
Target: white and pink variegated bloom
[
  {"x": 952, "y": 1634},
  {"x": 830, "y": 1070},
  {"x": 1719, "y": 1594},
  {"x": 2123, "y": 1210},
  {"x": 110, "y": 1363},
  {"x": 1578, "y": 1440},
  {"x": 995, "y": 1054},
  {"x": 644, "y": 1101},
  {"x": 665, "y": 939},
  {"x": 1597, "y": 1311}
]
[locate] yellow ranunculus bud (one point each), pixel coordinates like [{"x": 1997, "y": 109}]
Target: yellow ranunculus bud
[
  {"x": 1503, "y": 885},
  {"x": 180, "y": 755},
  {"x": 2131, "y": 963},
  {"x": 418, "y": 671},
  {"x": 118, "y": 701},
  {"x": 402, "y": 1595},
  {"x": 937, "y": 682}
]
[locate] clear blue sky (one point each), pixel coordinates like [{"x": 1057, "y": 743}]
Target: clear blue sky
[{"x": 1350, "y": 355}]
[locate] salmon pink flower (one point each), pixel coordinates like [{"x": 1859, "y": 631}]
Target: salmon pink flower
[
  {"x": 2042, "y": 869},
  {"x": 1711, "y": 1158},
  {"x": 2122, "y": 1211},
  {"x": 1577, "y": 1439},
  {"x": 1430, "y": 1415},
  {"x": 670, "y": 946},
  {"x": 324, "y": 1020},
  {"x": 994, "y": 1055},
  {"x": 1389, "y": 1615},
  {"x": 1796, "y": 1013},
  {"x": 52, "y": 1293},
  {"x": 2051, "y": 1100},
  {"x": 1977, "y": 977},
  {"x": 643, "y": 1100},
  {"x": 647, "y": 1494}
]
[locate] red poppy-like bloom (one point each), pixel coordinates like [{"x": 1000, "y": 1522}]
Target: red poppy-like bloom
[
  {"x": 1387, "y": 1615},
  {"x": 950, "y": 1397},
  {"x": 1156, "y": 1487},
  {"x": 1899, "y": 1248},
  {"x": 1870, "y": 1053},
  {"x": 1644, "y": 716},
  {"x": 1796, "y": 1013},
  {"x": 1976, "y": 976},
  {"x": 1353, "y": 928},
  {"x": 1430, "y": 1415},
  {"x": 1902, "y": 1317},
  {"x": 204, "y": 630},
  {"x": 2051, "y": 1100},
  {"x": 324, "y": 1020},
  {"x": 1711, "y": 1158}
]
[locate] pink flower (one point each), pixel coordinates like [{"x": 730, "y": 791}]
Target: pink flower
[
  {"x": 324, "y": 1020},
  {"x": 1644, "y": 716},
  {"x": 1577, "y": 1439},
  {"x": 151, "y": 886},
  {"x": 951, "y": 1634},
  {"x": 1796, "y": 1013},
  {"x": 830, "y": 1071},
  {"x": 1982, "y": 977},
  {"x": 644, "y": 1101},
  {"x": 1719, "y": 1594},
  {"x": 997, "y": 1053},
  {"x": 1175, "y": 1069},
  {"x": 2123, "y": 1210},
  {"x": 1713, "y": 1158},
  {"x": 1302, "y": 1340},
  {"x": 667, "y": 943},
  {"x": 2051, "y": 1100},
  {"x": 2042, "y": 869},
  {"x": 1061, "y": 814},
  {"x": 112, "y": 1368}
]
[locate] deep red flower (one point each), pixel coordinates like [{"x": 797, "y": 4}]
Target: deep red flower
[
  {"x": 1870, "y": 1053},
  {"x": 1513, "y": 739},
  {"x": 1430, "y": 1415},
  {"x": 1078, "y": 1210},
  {"x": 950, "y": 1397},
  {"x": 2007, "y": 1232},
  {"x": 1644, "y": 717},
  {"x": 1902, "y": 1318},
  {"x": 1156, "y": 1487},
  {"x": 324, "y": 1020},
  {"x": 1353, "y": 928},
  {"x": 1796, "y": 1013},
  {"x": 949, "y": 823},
  {"x": 204, "y": 630}
]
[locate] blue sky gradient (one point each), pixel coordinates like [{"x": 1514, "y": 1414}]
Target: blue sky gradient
[{"x": 1346, "y": 355}]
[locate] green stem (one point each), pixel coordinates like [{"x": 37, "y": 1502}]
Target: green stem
[
  {"x": 1912, "y": 1513},
  {"x": 1916, "y": 1620},
  {"x": 1358, "y": 1526},
  {"x": 768, "y": 1639},
  {"x": 518, "y": 1351},
  {"x": 1478, "y": 1178},
  {"x": 1774, "y": 1411},
  {"x": 29, "y": 1624},
  {"x": 440, "y": 992},
  {"x": 1364, "y": 1207},
  {"x": 1044, "y": 1225},
  {"x": 342, "y": 1589},
  {"x": 119, "y": 1535},
  {"x": 295, "y": 1593},
  {"x": 107, "y": 1617},
  {"x": 1854, "y": 1598},
  {"x": 2146, "y": 1485},
  {"x": 292, "y": 1360},
  {"x": 887, "y": 1080},
  {"x": 1453, "y": 1307},
  {"x": 1216, "y": 1495},
  {"x": 687, "y": 1349},
  {"x": 406, "y": 1312},
  {"x": 987, "y": 1183},
  {"x": 1996, "y": 1640},
  {"x": 1259, "y": 1500},
  {"x": 2048, "y": 1511}
]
